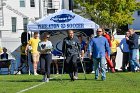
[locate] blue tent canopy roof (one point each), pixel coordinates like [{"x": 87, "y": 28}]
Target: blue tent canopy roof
[{"x": 63, "y": 19}]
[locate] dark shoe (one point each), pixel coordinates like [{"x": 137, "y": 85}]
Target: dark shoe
[
  {"x": 72, "y": 79},
  {"x": 96, "y": 78},
  {"x": 71, "y": 76},
  {"x": 103, "y": 78},
  {"x": 19, "y": 68}
]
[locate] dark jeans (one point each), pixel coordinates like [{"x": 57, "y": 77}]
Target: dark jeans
[
  {"x": 46, "y": 59},
  {"x": 71, "y": 62},
  {"x": 125, "y": 60},
  {"x": 23, "y": 58}
]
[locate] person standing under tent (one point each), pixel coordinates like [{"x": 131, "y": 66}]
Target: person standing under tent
[
  {"x": 45, "y": 48},
  {"x": 55, "y": 61},
  {"x": 33, "y": 42},
  {"x": 132, "y": 41},
  {"x": 115, "y": 43},
  {"x": 98, "y": 47},
  {"x": 23, "y": 57},
  {"x": 125, "y": 50},
  {"x": 83, "y": 46},
  {"x": 71, "y": 50}
]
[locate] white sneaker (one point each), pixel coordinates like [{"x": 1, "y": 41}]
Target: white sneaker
[
  {"x": 47, "y": 80},
  {"x": 57, "y": 72},
  {"x": 36, "y": 74},
  {"x": 136, "y": 68},
  {"x": 17, "y": 71},
  {"x": 93, "y": 72},
  {"x": 75, "y": 77}
]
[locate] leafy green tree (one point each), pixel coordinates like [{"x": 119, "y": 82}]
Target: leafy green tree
[{"x": 110, "y": 13}]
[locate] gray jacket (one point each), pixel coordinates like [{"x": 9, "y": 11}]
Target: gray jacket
[{"x": 70, "y": 46}]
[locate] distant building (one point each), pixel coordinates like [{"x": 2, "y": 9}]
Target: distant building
[{"x": 15, "y": 15}]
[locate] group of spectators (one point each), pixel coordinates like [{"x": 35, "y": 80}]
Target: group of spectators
[
  {"x": 102, "y": 49},
  {"x": 40, "y": 49}
]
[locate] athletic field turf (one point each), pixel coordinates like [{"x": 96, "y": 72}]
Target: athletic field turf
[{"x": 115, "y": 83}]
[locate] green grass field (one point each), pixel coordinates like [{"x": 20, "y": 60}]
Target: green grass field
[{"x": 115, "y": 83}]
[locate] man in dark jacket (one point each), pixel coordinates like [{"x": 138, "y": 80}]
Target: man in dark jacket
[
  {"x": 71, "y": 49},
  {"x": 132, "y": 41}
]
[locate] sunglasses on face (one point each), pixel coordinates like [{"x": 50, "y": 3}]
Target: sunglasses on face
[{"x": 99, "y": 31}]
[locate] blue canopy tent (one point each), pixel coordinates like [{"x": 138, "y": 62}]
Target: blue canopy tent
[{"x": 62, "y": 20}]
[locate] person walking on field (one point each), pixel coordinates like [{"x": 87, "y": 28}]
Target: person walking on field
[
  {"x": 98, "y": 47},
  {"x": 45, "y": 47},
  {"x": 83, "y": 46},
  {"x": 33, "y": 42},
  {"x": 71, "y": 50}
]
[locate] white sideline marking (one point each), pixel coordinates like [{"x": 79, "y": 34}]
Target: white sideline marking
[{"x": 35, "y": 86}]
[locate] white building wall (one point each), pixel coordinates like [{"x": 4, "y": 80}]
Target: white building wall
[
  {"x": 27, "y": 11},
  {"x": 57, "y": 4},
  {"x": 31, "y": 12},
  {"x": 65, "y": 4}
]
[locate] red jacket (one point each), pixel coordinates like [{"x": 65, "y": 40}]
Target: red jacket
[{"x": 108, "y": 39}]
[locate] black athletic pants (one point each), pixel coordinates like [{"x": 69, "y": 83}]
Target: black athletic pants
[
  {"x": 125, "y": 61},
  {"x": 71, "y": 62},
  {"x": 48, "y": 59}
]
